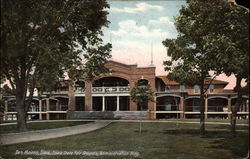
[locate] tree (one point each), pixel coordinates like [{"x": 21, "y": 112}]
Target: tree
[
  {"x": 213, "y": 36},
  {"x": 230, "y": 40},
  {"x": 141, "y": 94},
  {"x": 41, "y": 40},
  {"x": 191, "y": 63}
]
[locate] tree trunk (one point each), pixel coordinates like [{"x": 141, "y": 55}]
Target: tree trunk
[
  {"x": 236, "y": 107},
  {"x": 202, "y": 109},
  {"x": 20, "y": 106}
]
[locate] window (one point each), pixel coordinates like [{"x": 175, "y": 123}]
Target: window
[
  {"x": 196, "y": 89},
  {"x": 182, "y": 88},
  {"x": 167, "y": 88},
  {"x": 211, "y": 88}
]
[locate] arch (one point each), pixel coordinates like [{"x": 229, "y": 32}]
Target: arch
[
  {"x": 110, "y": 81},
  {"x": 171, "y": 95},
  {"x": 217, "y": 97},
  {"x": 114, "y": 74},
  {"x": 244, "y": 96},
  {"x": 11, "y": 99},
  {"x": 142, "y": 82},
  {"x": 191, "y": 97}
]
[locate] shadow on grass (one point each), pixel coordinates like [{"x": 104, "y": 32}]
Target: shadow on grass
[
  {"x": 208, "y": 133},
  {"x": 221, "y": 139},
  {"x": 228, "y": 143}
]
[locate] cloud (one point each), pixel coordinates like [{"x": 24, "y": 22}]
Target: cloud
[
  {"x": 162, "y": 20},
  {"x": 140, "y": 7},
  {"x": 130, "y": 30}
]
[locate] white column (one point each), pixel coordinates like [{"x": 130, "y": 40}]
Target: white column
[
  {"x": 103, "y": 103},
  {"x": 40, "y": 109},
  {"x": 117, "y": 104},
  {"x": 206, "y": 107}
]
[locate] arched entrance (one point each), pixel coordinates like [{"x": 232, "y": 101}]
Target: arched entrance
[
  {"x": 217, "y": 104},
  {"x": 168, "y": 103},
  {"x": 192, "y": 104},
  {"x": 110, "y": 94},
  {"x": 110, "y": 82},
  {"x": 168, "y": 106}
]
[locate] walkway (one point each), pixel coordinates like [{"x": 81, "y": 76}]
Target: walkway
[{"x": 14, "y": 138}]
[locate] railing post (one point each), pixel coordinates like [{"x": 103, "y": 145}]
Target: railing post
[{"x": 103, "y": 103}]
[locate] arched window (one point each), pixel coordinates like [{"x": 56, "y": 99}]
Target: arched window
[
  {"x": 110, "y": 82},
  {"x": 142, "y": 82}
]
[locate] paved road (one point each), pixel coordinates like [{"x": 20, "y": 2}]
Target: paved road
[{"x": 13, "y": 138}]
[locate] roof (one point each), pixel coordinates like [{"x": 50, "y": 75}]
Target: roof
[{"x": 167, "y": 81}]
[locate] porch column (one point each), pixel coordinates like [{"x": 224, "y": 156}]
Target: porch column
[
  {"x": 118, "y": 104},
  {"x": 88, "y": 96},
  {"x": 40, "y": 109},
  {"x": 229, "y": 108},
  {"x": 206, "y": 107},
  {"x": 103, "y": 103},
  {"x": 182, "y": 107},
  {"x": 132, "y": 105},
  {"x": 47, "y": 108},
  {"x": 71, "y": 94},
  {"x": 6, "y": 110}
]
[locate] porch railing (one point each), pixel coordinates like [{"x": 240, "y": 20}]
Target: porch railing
[
  {"x": 192, "y": 108},
  {"x": 118, "y": 89}
]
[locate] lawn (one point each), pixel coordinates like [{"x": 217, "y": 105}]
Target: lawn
[
  {"x": 238, "y": 121},
  {"x": 157, "y": 141},
  {"x": 41, "y": 126}
]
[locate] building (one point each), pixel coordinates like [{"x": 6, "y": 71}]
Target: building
[{"x": 108, "y": 97}]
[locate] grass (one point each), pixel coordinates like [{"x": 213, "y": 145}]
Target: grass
[
  {"x": 239, "y": 121},
  {"x": 41, "y": 126},
  {"x": 157, "y": 141}
]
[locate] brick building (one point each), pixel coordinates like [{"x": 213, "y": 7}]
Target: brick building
[{"x": 108, "y": 97}]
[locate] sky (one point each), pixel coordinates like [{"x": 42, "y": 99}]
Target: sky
[{"x": 138, "y": 28}]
